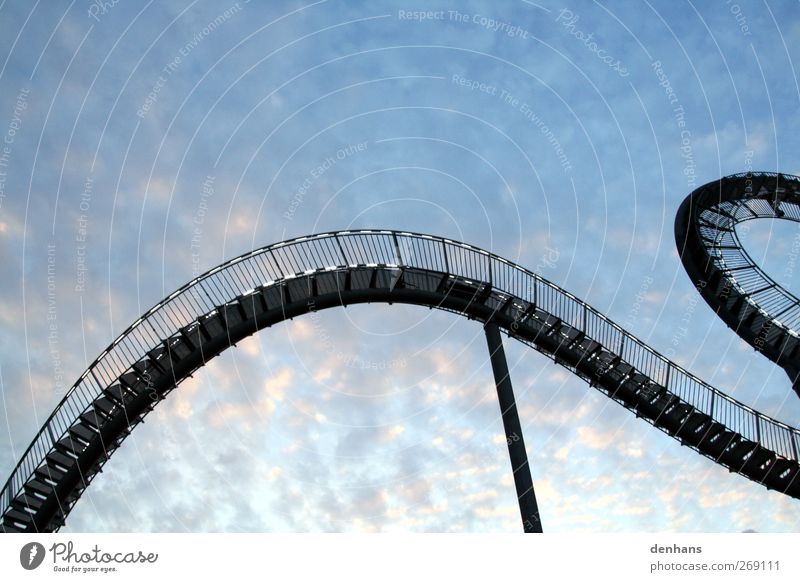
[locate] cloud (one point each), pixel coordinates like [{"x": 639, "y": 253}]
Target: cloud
[
  {"x": 378, "y": 418},
  {"x": 594, "y": 438}
]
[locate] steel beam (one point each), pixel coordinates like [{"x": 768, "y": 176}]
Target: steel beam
[{"x": 528, "y": 509}]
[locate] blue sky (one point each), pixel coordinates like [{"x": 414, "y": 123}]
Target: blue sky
[{"x": 151, "y": 141}]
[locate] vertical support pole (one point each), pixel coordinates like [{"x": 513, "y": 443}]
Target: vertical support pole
[{"x": 529, "y": 510}]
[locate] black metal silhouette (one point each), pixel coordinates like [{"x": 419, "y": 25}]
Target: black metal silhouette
[
  {"x": 271, "y": 284},
  {"x": 761, "y": 311},
  {"x": 528, "y": 508}
]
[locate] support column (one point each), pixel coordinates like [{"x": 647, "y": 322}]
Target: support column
[{"x": 528, "y": 509}]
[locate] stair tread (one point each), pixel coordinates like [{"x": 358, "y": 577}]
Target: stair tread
[
  {"x": 70, "y": 445},
  {"x": 16, "y": 515},
  {"x": 60, "y": 459},
  {"x": 105, "y": 405},
  {"x": 82, "y": 431},
  {"x": 47, "y": 472},
  {"x": 26, "y": 500},
  {"x": 39, "y": 486},
  {"x": 93, "y": 419},
  {"x": 116, "y": 393}
]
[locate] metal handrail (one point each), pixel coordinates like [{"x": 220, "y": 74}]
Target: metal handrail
[
  {"x": 777, "y": 290},
  {"x": 348, "y": 249}
]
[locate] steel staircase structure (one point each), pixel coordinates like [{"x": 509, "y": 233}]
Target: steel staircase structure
[
  {"x": 197, "y": 322},
  {"x": 763, "y": 313}
]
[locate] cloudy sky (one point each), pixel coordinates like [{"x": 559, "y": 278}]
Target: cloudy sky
[{"x": 147, "y": 142}]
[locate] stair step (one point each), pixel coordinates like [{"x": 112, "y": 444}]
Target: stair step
[
  {"x": 93, "y": 419},
  {"x": 178, "y": 348},
  {"x": 709, "y": 432},
  {"x": 607, "y": 359},
  {"x": 273, "y": 295},
  {"x": 779, "y": 466},
  {"x": 692, "y": 428},
  {"x": 656, "y": 408},
  {"x": 569, "y": 334},
  {"x": 724, "y": 439},
  {"x": 52, "y": 473},
  {"x": 158, "y": 353},
  {"x": 132, "y": 381},
  {"x": 299, "y": 289},
  {"x": 233, "y": 314},
  {"x": 106, "y": 405},
  {"x": 603, "y": 362},
  {"x": 70, "y": 446},
  {"x": 15, "y": 515},
  {"x": 589, "y": 347},
  {"x": 618, "y": 372},
  {"x": 760, "y": 458},
  {"x": 7, "y": 527},
  {"x": 160, "y": 360},
  {"x": 252, "y": 306},
  {"x": 60, "y": 459},
  {"x": 627, "y": 392},
  {"x": 37, "y": 486},
  {"x": 674, "y": 417},
  {"x": 742, "y": 448},
  {"x": 147, "y": 372},
  {"x": 792, "y": 488},
  {"x": 650, "y": 391},
  {"x": 25, "y": 501},
  {"x": 791, "y": 475},
  {"x": 586, "y": 350},
  {"x": 188, "y": 333},
  {"x": 641, "y": 383},
  {"x": 117, "y": 393},
  {"x": 549, "y": 323},
  {"x": 212, "y": 325},
  {"x": 696, "y": 422},
  {"x": 82, "y": 432}
]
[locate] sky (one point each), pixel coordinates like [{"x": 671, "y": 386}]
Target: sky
[{"x": 146, "y": 142}]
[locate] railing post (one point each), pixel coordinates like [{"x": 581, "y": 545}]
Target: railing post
[
  {"x": 341, "y": 250},
  {"x": 758, "y": 428},
  {"x": 398, "y": 256},
  {"x": 50, "y": 433},
  {"x": 269, "y": 255}
]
